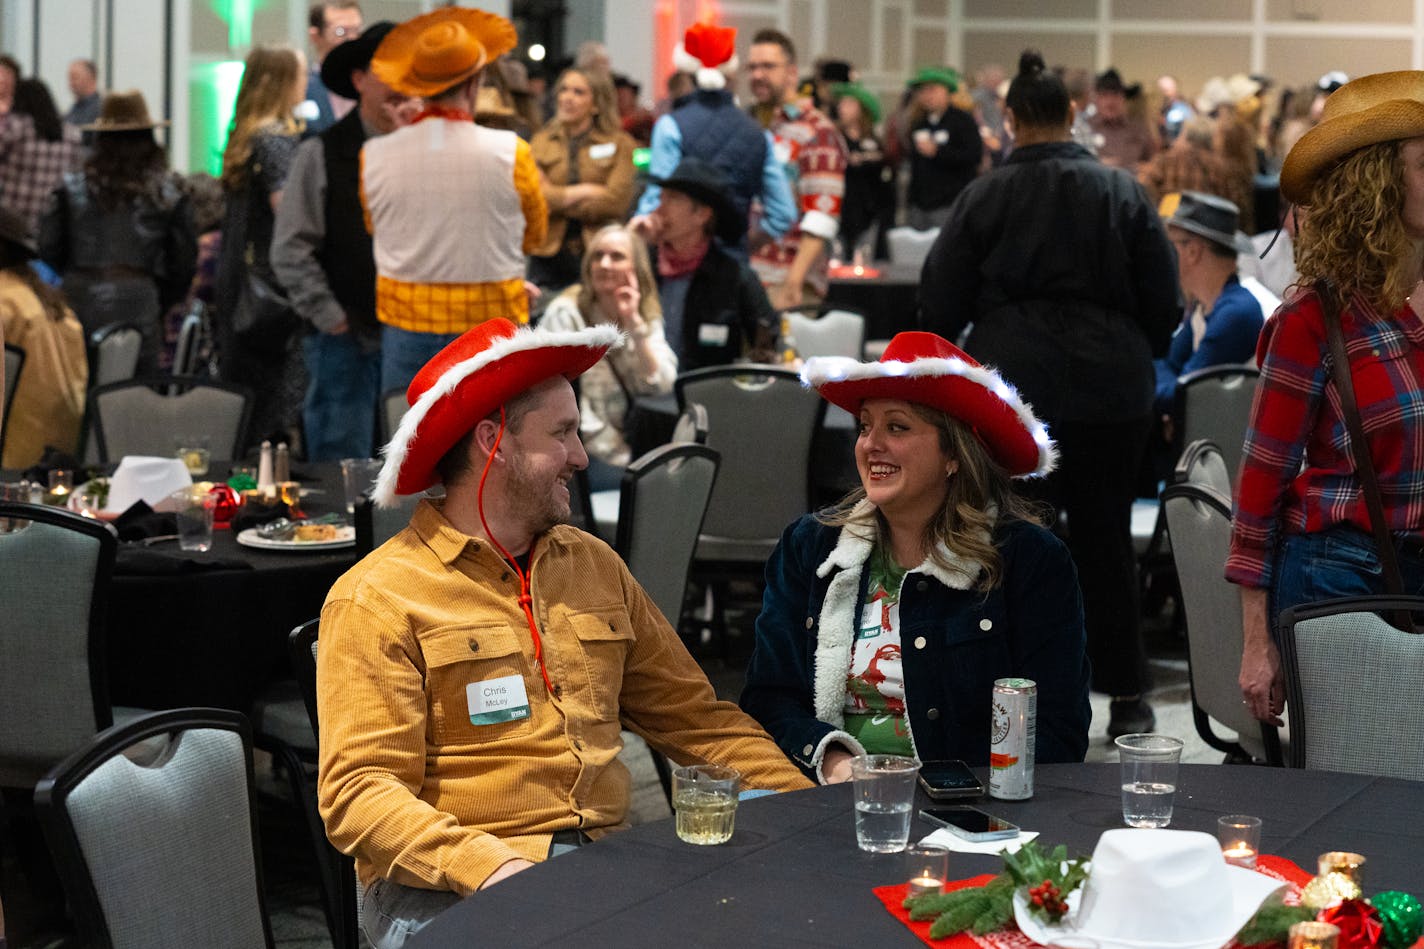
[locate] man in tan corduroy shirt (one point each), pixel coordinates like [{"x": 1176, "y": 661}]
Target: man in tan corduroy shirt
[{"x": 472, "y": 701}]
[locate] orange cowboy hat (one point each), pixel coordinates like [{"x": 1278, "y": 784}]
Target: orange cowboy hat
[
  {"x": 930, "y": 370},
  {"x": 471, "y": 378},
  {"x": 426, "y": 55},
  {"x": 1383, "y": 107}
]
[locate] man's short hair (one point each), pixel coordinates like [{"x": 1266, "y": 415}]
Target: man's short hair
[
  {"x": 316, "y": 13},
  {"x": 456, "y": 463},
  {"x": 780, "y": 39},
  {"x": 88, "y": 66}
]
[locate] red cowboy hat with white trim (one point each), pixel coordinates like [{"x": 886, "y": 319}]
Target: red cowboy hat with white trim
[
  {"x": 709, "y": 52},
  {"x": 469, "y": 379},
  {"x": 929, "y": 370}
]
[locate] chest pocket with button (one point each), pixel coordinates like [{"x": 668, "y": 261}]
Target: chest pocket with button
[
  {"x": 455, "y": 657},
  {"x": 604, "y": 638}
]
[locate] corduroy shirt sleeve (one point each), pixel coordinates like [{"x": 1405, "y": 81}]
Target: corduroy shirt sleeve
[{"x": 371, "y": 692}]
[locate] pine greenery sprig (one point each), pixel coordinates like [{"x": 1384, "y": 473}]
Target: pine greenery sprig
[
  {"x": 1272, "y": 922},
  {"x": 979, "y": 909}
]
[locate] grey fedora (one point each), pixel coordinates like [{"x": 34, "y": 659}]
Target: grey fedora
[{"x": 1216, "y": 219}]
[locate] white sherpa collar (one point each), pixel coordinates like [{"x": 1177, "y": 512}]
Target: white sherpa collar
[{"x": 523, "y": 340}]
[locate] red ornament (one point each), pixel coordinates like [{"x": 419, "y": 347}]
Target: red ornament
[
  {"x": 226, "y": 503},
  {"x": 1359, "y": 923}
]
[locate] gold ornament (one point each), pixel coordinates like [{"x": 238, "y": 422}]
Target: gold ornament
[{"x": 1328, "y": 889}]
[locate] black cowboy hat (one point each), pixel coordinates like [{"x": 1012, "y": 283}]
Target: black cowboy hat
[
  {"x": 352, "y": 54},
  {"x": 707, "y": 184},
  {"x": 1213, "y": 218},
  {"x": 14, "y": 230}
]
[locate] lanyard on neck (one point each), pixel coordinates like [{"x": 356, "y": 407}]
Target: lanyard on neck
[{"x": 526, "y": 599}]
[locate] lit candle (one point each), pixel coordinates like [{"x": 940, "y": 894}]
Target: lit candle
[
  {"x": 1240, "y": 854},
  {"x": 919, "y": 886},
  {"x": 1313, "y": 935},
  {"x": 1351, "y": 865}
]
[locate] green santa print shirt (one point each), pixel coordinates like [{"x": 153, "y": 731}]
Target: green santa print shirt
[{"x": 875, "y": 684}]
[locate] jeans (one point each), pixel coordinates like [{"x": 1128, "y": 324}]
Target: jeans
[
  {"x": 339, "y": 411},
  {"x": 391, "y": 912},
  {"x": 404, "y": 353},
  {"x": 1341, "y": 561}
]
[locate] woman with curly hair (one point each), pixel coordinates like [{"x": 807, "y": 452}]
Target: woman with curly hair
[
  {"x": 887, "y": 618},
  {"x": 120, "y": 232},
  {"x": 1303, "y": 529},
  {"x": 264, "y": 355}
]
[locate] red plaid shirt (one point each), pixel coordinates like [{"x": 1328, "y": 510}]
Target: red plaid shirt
[
  {"x": 30, "y": 167},
  {"x": 1298, "y": 473},
  {"x": 813, "y": 153}
]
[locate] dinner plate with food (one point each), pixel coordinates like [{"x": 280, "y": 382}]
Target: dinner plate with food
[{"x": 313, "y": 535}]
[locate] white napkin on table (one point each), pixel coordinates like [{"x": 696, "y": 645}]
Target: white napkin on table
[{"x": 958, "y": 844}]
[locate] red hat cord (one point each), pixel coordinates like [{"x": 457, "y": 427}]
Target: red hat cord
[{"x": 709, "y": 53}]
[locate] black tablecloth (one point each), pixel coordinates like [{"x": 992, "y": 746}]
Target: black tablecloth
[
  {"x": 890, "y": 300},
  {"x": 792, "y": 875},
  {"x": 215, "y": 637}
]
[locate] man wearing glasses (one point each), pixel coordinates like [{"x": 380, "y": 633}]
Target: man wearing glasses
[{"x": 329, "y": 25}]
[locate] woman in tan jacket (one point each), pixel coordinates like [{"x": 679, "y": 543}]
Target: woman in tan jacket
[{"x": 586, "y": 163}]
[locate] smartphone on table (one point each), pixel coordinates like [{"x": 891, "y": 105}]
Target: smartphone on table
[
  {"x": 970, "y": 823},
  {"x": 949, "y": 780}
]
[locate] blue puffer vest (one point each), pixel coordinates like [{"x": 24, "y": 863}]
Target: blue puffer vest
[{"x": 715, "y": 130}]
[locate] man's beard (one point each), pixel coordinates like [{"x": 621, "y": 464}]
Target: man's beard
[{"x": 533, "y": 499}]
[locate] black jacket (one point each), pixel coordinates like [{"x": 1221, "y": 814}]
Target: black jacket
[
  {"x": 724, "y": 292},
  {"x": 937, "y": 180},
  {"x": 1063, "y": 268}
]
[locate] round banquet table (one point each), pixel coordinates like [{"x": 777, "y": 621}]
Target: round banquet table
[
  {"x": 214, "y": 631},
  {"x": 889, "y": 300},
  {"x": 792, "y": 875}
]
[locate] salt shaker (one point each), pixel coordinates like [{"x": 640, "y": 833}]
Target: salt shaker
[
  {"x": 283, "y": 469},
  {"x": 265, "y": 481}
]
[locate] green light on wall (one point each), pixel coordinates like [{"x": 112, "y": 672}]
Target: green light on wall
[
  {"x": 212, "y": 94},
  {"x": 237, "y": 14}
]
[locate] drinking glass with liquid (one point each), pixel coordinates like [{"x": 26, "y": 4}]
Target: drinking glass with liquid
[
  {"x": 705, "y": 799},
  {"x": 884, "y": 797},
  {"x": 1149, "y": 778}
]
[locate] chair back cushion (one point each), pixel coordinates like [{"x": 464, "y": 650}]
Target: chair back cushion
[
  {"x": 761, "y": 421},
  {"x": 660, "y": 513},
  {"x": 1203, "y": 463},
  {"x": 134, "y": 419},
  {"x": 47, "y": 577},
  {"x": 1199, "y": 523},
  {"x": 164, "y": 830},
  {"x": 1216, "y": 404},
  {"x": 691, "y": 425},
  {"x": 909, "y": 246},
  {"x": 834, "y": 333},
  {"x": 115, "y": 353},
  {"x": 1356, "y": 701}
]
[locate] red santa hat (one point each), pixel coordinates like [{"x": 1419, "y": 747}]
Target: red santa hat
[{"x": 709, "y": 52}]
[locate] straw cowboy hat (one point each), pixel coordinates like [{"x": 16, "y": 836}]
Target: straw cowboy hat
[
  {"x": 471, "y": 378},
  {"x": 1382, "y": 107},
  {"x": 929, "y": 370},
  {"x": 125, "y": 111},
  {"x": 426, "y": 55}
]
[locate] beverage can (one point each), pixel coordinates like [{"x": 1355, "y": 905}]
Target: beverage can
[{"x": 1013, "y": 726}]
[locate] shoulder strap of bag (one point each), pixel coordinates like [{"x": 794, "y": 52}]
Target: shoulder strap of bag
[{"x": 1360, "y": 446}]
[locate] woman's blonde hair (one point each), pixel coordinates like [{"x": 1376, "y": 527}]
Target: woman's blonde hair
[
  {"x": 605, "y": 100},
  {"x": 1353, "y": 233},
  {"x": 980, "y": 494},
  {"x": 264, "y": 100},
  {"x": 649, "y": 305}
]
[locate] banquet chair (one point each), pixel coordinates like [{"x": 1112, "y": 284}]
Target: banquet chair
[
  {"x": 1199, "y": 522},
  {"x": 689, "y": 429},
  {"x": 1352, "y": 686},
  {"x": 1215, "y": 403},
  {"x": 375, "y": 525},
  {"x": 14, "y": 365},
  {"x": 55, "y": 568},
  {"x": 190, "y": 340},
  {"x": 113, "y": 353},
  {"x": 337, "y": 870},
  {"x": 762, "y": 422},
  {"x": 144, "y": 416},
  {"x": 910, "y": 247},
  {"x": 833, "y": 333},
  {"x": 1200, "y": 463},
  {"x": 153, "y": 827}
]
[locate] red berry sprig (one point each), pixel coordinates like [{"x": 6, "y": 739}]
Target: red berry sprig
[{"x": 1049, "y": 898}]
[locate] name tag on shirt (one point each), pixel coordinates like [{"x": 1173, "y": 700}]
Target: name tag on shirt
[
  {"x": 602, "y": 151},
  {"x": 497, "y": 700},
  {"x": 713, "y": 334}
]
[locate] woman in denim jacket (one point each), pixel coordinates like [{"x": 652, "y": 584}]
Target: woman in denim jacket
[{"x": 888, "y": 617}]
